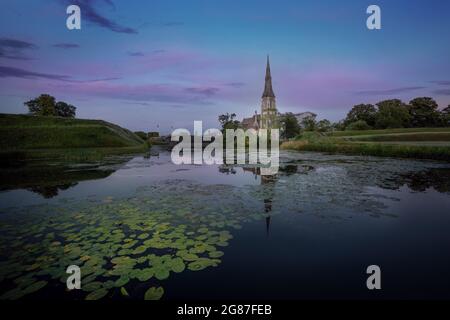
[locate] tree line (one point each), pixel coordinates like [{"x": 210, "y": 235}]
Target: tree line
[{"x": 386, "y": 114}]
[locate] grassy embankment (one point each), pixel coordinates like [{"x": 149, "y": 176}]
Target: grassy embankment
[
  {"x": 419, "y": 143},
  {"x": 32, "y": 137}
]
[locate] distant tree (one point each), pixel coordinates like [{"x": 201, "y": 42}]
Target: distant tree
[
  {"x": 446, "y": 110},
  {"x": 364, "y": 112},
  {"x": 338, "y": 126},
  {"x": 153, "y": 134},
  {"x": 142, "y": 135},
  {"x": 309, "y": 124},
  {"x": 358, "y": 125},
  {"x": 228, "y": 121},
  {"x": 323, "y": 125},
  {"x": 424, "y": 112},
  {"x": 289, "y": 125},
  {"x": 445, "y": 116},
  {"x": 45, "y": 105},
  {"x": 65, "y": 110},
  {"x": 392, "y": 114}
]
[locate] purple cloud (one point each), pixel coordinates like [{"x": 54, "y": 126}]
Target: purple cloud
[
  {"x": 11, "y": 72},
  {"x": 66, "y": 45},
  {"x": 204, "y": 91},
  {"x": 441, "y": 82},
  {"x": 235, "y": 84},
  {"x": 443, "y": 92},
  {"x": 388, "y": 91},
  {"x": 13, "y": 48},
  {"x": 6, "y": 72},
  {"x": 142, "y": 54},
  {"x": 136, "y": 54}
]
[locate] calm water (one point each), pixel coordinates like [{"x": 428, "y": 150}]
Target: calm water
[{"x": 225, "y": 231}]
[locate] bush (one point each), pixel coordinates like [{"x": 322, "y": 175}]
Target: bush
[
  {"x": 358, "y": 125},
  {"x": 153, "y": 134},
  {"x": 141, "y": 134}
]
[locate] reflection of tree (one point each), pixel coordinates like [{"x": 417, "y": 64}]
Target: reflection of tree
[
  {"x": 48, "y": 181},
  {"x": 393, "y": 178},
  {"x": 227, "y": 169},
  {"x": 51, "y": 191},
  {"x": 437, "y": 178}
]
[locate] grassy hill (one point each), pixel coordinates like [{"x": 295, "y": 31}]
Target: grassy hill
[
  {"x": 36, "y": 137},
  {"x": 420, "y": 143}
]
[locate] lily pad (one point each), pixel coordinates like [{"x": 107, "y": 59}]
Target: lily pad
[
  {"x": 97, "y": 294},
  {"x": 35, "y": 287},
  {"x": 154, "y": 293},
  {"x": 215, "y": 254},
  {"x": 92, "y": 286},
  {"x": 145, "y": 274},
  {"x": 201, "y": 264},
  {"x": 124, "y": 292},
  {"x": 161, "y": 273},
  {"x": 123, "y": 280},
  {"x": 177, "y": 265},
  {"x": 139, "y": 250}
]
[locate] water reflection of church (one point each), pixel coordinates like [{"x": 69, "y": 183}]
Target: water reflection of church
[{"x": 269, "y": 182}]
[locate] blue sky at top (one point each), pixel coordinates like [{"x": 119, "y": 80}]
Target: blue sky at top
[{"x": 144, "y": 64}]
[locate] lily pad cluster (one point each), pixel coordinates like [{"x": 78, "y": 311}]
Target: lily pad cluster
[{"x": 125, "y": 248}]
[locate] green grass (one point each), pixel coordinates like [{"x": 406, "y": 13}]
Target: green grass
[
  {"x": 400, "y": 137},
  {"x": 25, "y": 137},
  {"x": 422, "y": 143},
  {"x": 385, "y": 131}
]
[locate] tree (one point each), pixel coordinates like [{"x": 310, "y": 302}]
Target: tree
[
  {"x": 45, "y": 105},
  {"x": 142, "y": 135},
  {"x": 392, "y": 114},
  {"x": 309, "y": 123},
  {"x": 228, "y": 121},
  {"x": 339, "y": 126},
  {"x": 65, "y": 110},
  {"x": 445, "y": 116},
  {"x": 290, "y": 126},
  {"x": 324, "y": 125},
  {"x": 446, "y": 110},
  {"x": 364, "y": 112},
  {"x": 358, "y": 125},
  {"x": 424, "y": 112}
]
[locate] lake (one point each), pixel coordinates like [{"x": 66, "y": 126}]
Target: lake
[{"x": 226, "y": 232}]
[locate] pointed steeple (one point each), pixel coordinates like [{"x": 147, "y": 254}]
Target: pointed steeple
[{"x": 268, "y": 91}]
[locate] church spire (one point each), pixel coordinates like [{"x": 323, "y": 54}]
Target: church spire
[{"x": 268, "y": 91}]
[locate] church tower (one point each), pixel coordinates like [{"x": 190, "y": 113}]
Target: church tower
[{"x": 269, "y": 113}]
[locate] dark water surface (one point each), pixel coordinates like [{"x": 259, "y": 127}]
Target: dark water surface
[{"x": 213, "y": 232}]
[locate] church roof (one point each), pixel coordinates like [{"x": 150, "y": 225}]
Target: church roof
[
  {"x": 252, "y": 122},
  {"x": 268, "y": 91}
]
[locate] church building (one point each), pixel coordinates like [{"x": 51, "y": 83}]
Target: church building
[{"x": 268, "y": 119}]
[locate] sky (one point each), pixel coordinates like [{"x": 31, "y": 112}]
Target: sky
[{"x": 159, "y": 65}]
